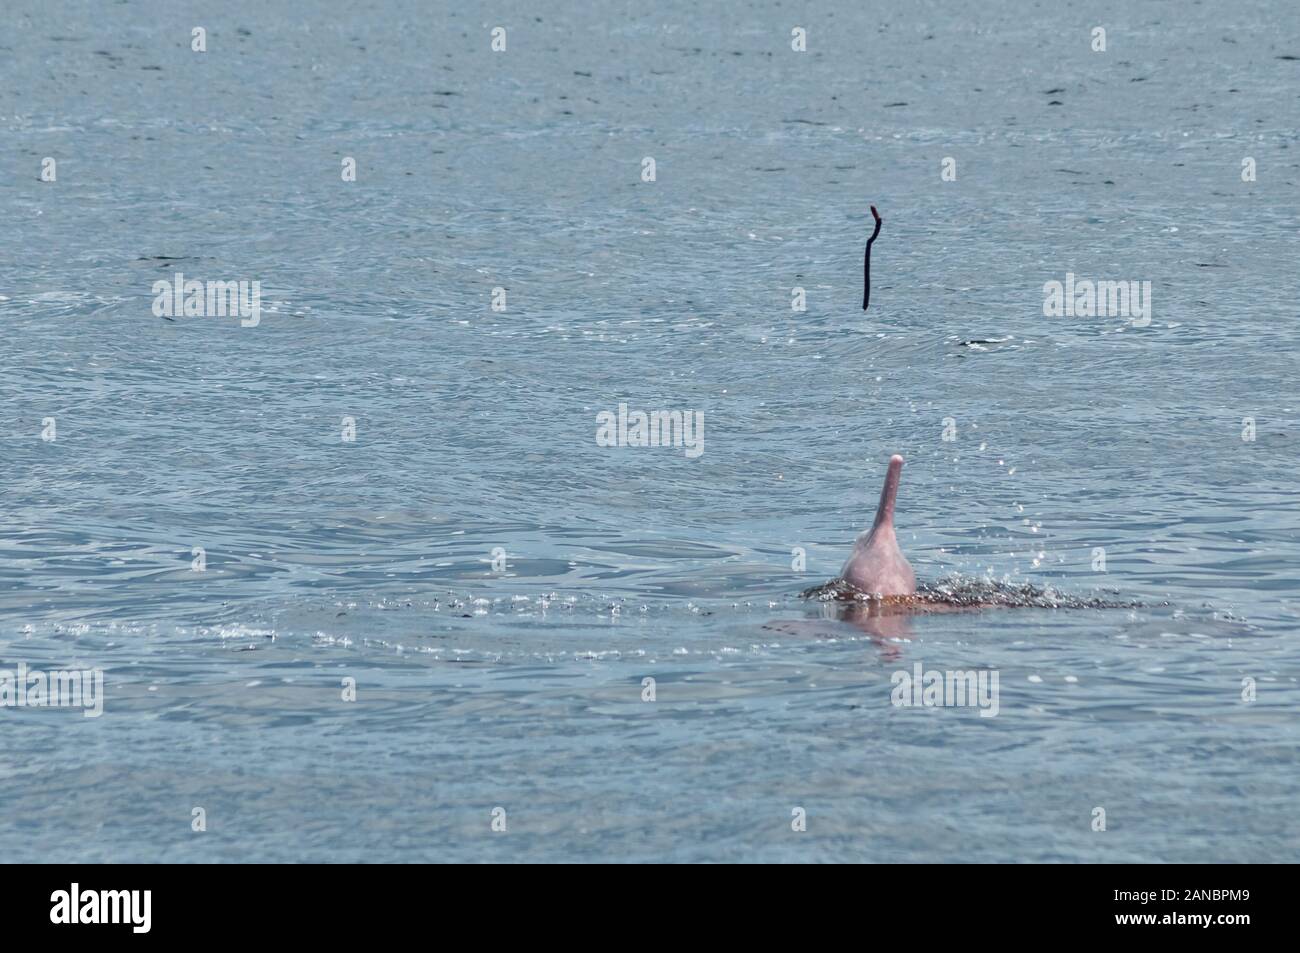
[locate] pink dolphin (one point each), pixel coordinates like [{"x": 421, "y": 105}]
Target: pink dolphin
[{"x": 877, "y": 566}]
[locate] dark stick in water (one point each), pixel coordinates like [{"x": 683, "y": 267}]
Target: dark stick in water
[{"x": 866, "y": 262}]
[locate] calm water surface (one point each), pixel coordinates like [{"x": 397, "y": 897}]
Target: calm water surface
[{"x": 371, "y": 560}]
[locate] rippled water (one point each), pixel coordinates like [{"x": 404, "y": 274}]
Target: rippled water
[{"x": 523, "y": 689}]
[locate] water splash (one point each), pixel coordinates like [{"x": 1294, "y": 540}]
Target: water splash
[{"x": 969, "y": 592}]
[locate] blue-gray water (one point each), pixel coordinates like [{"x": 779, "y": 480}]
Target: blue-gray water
[{"x": 370, "y": 560}]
